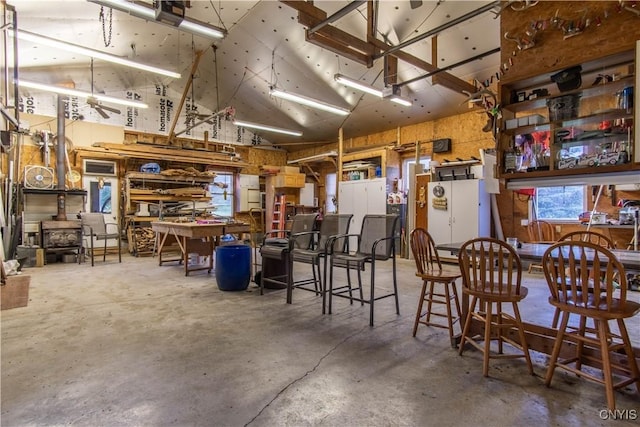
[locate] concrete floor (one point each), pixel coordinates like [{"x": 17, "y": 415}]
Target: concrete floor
[{"x": 138, "y": 344}]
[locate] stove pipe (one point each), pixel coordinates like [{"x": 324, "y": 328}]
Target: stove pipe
[{"x": 60, "y": 166}]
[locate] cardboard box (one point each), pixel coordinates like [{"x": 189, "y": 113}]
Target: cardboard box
[
  {"x": 15, "y": 292},
  {"x": 289, "y": 169}
]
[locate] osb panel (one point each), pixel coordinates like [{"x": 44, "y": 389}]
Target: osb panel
[
  {"x": 418, "y": 132},
  {"x": 258, "y": 157},
  {"x": 616, "y": 33},
  {"x": 313, "y": 151},
  {"x": 467, "y": 137}
]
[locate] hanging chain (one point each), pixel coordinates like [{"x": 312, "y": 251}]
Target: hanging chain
[{"x": 107, "y": 41}]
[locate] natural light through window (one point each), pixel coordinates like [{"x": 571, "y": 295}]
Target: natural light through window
[
  {"x": 222, "y": 194},
  {"x": 560, "y": 203}
]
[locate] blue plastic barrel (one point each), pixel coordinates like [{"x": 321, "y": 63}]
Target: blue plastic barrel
[{"x": 233, "y": 267}]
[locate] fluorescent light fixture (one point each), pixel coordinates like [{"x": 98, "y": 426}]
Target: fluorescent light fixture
[
  {"x": 347, "y": 81},
  {"x": 74, "y": 48},
  {"x": 395, "y": 97},
  {"x": 80, "y": 94},
  {"x": 189, "y": 25},
  {"x": 400, "y": 100},
  {"x": 309, "y": 102},
  {"x": 244, "y": 124}
]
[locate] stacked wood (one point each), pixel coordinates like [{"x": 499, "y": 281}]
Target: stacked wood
[
  {"x": 187, "y": 192},
  {"x": 145, "y": 239}
]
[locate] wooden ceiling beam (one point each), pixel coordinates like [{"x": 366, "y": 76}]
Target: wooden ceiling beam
[
  {"x": 445, "y": 79},
  {"x": 319, "y": 39},
  {"x": 350, "y": 46}
]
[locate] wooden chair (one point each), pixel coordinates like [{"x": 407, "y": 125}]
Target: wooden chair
[
  {"x": 376, "y": 243},
  {"x": 589, "y": 236},
  {"x": 429, "y": 269},
  {"x": 492, "y": 272},
  {"x": 568, "y": 267},
  {"x": 583, "y": 236},
  {"x": 539, "y": 232}
]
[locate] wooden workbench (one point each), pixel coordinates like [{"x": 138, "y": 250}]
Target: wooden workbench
[{"x": 192, "y": 237}]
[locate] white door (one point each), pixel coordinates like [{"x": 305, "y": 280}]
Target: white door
[
  {"x": 439, "y": 212},
  {"x": 464, "y": 210},
  {"x": 102, "y": 196}
]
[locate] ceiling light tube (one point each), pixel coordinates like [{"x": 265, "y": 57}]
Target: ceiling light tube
[
  {"x": 400, "y": 100},
  {"x": 74, "y": 48},
  {"x": 244, "y": 124},
  {"x": 309, "y": 102},
  {"x": 80, "y": 94},
  {"x": 189, "y": 25},
  {"x": 347, "y": 81}
]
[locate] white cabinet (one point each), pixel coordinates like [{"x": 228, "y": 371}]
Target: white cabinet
[
  {"x": 458, "y": 211},
  {"x": 361, "y": 197},
  {"x": 249, "y": 192}
]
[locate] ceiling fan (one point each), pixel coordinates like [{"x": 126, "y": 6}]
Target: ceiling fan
[{"x": 96, "y": 105}]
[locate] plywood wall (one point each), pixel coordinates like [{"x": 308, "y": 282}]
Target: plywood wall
[{"x": 612, "y": 29}]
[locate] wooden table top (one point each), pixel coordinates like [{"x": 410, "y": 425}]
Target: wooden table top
[
  {"x": 195, "y": 229},
  {"x": 534, "y": 251}
]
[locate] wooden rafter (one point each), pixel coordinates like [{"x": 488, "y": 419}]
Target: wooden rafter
[
  {"x": 364, "y": 51},
  {"x": 185, "y": 92}
]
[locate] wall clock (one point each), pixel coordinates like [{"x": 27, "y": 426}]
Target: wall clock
[{"x": 438, "y": 191}]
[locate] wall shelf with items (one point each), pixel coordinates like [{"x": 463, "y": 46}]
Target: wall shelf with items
[
  {"x": 365, "y": 164},
  {"x": 151, "y": 197},
  {"x": 588, "y": 129}
]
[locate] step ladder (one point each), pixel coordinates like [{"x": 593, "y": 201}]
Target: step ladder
[{"x": 279, "y": 219}]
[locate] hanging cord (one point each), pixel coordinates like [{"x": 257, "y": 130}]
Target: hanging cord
[{"x": 107, "y": 40}]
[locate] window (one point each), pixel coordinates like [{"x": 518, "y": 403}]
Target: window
[
  {"x": 222, "y": 194},
  {"x": 560, "y": 203},
  {"x": 330, "y": 189}
]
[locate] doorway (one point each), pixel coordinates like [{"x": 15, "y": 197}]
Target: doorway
[{"x": 102, "y": 197}]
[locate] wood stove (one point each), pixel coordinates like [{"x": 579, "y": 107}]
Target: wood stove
[{"x": 62, "y": 237}]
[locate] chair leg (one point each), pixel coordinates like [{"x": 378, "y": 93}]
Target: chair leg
[
  {"x": 104, "y": 253},
  {"x": 606, "y": 364},
  {"x": 499, "y": 322},
  {"x": 467, "y": 324},
  {"x": 324, "y": 285},
  {"x": 119, "y": 248},
  {"x": 556, "y": 348},
  {"x": 360, "y": 286},
  {"x": 556, "y": 318},
  {"x": 580, "y": 345},
  {"x": 429, "y": 301},
  {"x": 628, "y": 349},
  {"x": 395, "y": 285},
  {"x": 92, "y": 251},
  {"x": 523, "y": 339},
  {"x": 420, "y": 304},
  {"x": 487, "y": 339},
  {"x": 447, "y": 297},
  {"x": 372, "y": 295},
  {"x": 330, "y": 284}
]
